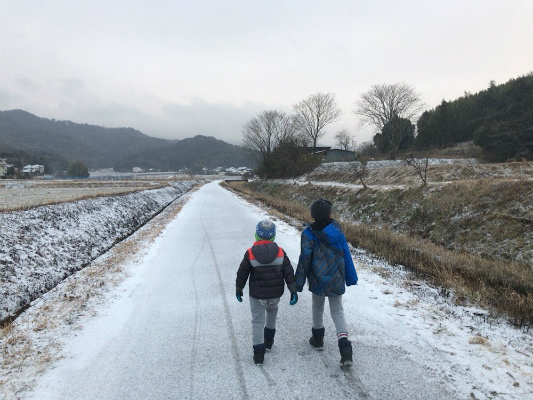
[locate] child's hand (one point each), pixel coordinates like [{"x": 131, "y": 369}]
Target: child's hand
[
  {"x": 294, "y": 299},
  {"x": 239, "y": 295}
]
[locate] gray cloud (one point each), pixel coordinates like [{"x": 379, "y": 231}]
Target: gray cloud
[
  {"x": 6, "y": 97},
  {"x": 221, "y": 120},
  {"x": 72, "y": 87},
  {"x": 27, "y": 84},
  {"x": 176, "y": 69}
]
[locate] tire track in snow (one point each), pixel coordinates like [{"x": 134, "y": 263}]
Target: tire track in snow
[
  {"x": 229, "y": 323},
  {"x": 355, "y": 384},
  {"x": 267, "y": 376},
  {"x": 194, "y": 351}
]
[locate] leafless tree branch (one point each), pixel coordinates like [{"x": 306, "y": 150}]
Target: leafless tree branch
[
  {"x": 343, "y": 139},
  {"x": 263, "y": 133},
  {"x": 381, "y": 103},
  {"x": 315, "y": 113},
  {"x": 360, "y": 171},
  {"x": 420, "y": 165}
]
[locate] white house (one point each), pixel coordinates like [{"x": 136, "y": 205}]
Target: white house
[
  {"x": 33, "y": 169},
  {"x": 3, "y": 168}
]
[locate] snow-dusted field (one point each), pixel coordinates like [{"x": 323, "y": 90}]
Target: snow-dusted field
[
  {"x": 42, "y": 246},
  {"x": 389, "y": 172},
  {"x": 22, "y": 195},
  {"x": 343, "y": 166},
  {"x": 173, "y": 329}
]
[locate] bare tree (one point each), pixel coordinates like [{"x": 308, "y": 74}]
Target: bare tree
[
  {"x": 344, "y": 139},
  {"x": 315, "y": 113},
  {"x": 420, "y": 165},
  {"x": 263, "y": 133},
  {"x": 388, "y": 106},
  {"x": 360, "y": 171}
]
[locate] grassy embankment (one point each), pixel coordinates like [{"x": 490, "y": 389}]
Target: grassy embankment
[{"x": 469, "y": 237}]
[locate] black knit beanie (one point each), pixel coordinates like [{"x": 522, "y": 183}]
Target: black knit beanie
[{"x": 321, "y": 209}]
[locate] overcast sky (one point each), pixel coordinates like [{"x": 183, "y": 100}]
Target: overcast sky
[{"x": 174, "y": 69}]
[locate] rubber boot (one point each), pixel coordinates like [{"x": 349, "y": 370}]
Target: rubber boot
[
  {"x": 317, "y": 340},
  {"x": 345, "y": 348},
  {"x": 269, "y": 338},
  {"x": 259, "y": 354}
]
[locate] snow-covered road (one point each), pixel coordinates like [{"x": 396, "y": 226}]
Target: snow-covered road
[{"x": 176, "y": 331}]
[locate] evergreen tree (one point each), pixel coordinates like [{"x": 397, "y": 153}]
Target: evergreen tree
[
  {"x": 78, "y": 170},
  {"x": 397, "y": 134},
  {"x": 499, "y": 119}
]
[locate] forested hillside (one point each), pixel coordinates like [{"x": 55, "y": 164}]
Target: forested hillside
[
  {"x": 200, "y": 151},
  {"x": 95, "y": 146},
  {"x": 499, "y": 119},
  {"x": 28, "y": 139}
]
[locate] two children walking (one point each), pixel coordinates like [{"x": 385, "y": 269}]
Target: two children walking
[{"x": 325, "y": 262}]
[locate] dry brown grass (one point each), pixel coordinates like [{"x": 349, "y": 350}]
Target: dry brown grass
[
  {"x": 479, "y": 340},
  {"x": 504, "y": 286},
  {"x": 436, "y": 173},
  {"x": 492, "y": 218}
]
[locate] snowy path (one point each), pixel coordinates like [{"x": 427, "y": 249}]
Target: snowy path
[{"x": 176, "y": 330}]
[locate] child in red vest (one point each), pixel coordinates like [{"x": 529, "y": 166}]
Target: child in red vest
[{"x": 269, "y": 269}]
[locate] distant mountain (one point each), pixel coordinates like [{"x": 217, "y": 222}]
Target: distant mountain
[
  {"x": 199, "y": 150},
  {"x": 95, "y": 146},
  {"x": 27, "y": 138}
]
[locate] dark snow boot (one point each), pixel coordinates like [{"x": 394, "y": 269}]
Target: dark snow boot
[
  {"x": 317, "y": 340},
  {"x": 345, "y": 348},
  {"x": 269, "y": 338},
  {"x": 259, "y": 354}
]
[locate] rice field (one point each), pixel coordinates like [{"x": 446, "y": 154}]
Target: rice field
[{"x": 22, "y": 195}]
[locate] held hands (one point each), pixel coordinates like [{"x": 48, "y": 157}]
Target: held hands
[
  {"x": 293, "y": 301},
  {"x": 294, "y": 298}
]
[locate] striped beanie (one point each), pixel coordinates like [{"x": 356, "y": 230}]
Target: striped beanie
[{"x": 265, "y": 230}]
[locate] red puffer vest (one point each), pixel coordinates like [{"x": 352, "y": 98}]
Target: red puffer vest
[{"x": 266, "y": 277}]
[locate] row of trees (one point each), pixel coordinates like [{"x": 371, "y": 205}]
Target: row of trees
[
  {"x": 498, "y": 119},
  {"x": 277, "y": 141}
]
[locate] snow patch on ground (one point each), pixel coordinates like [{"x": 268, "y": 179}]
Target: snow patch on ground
[
  {"x": 44, "y": 245},
  {"x": 35, "y": 340},
  {"x": 475, "y": 355}
]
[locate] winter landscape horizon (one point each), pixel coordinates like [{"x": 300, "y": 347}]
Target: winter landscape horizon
[
  {"x": 142, "y": 142},
  {"x": 155, "y": 315}
]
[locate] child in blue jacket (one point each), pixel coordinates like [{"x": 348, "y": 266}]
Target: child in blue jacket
[{"x": 325, "y": 261}]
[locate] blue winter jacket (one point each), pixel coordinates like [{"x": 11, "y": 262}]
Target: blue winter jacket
[{"x": 325, "y": 261}]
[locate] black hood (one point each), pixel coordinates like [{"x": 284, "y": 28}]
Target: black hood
[{"x": 265, "y": 253}]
